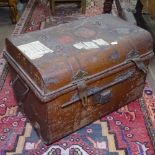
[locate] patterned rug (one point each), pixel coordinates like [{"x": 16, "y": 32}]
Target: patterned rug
[
  {"x": 148, "y": 108},
  {"x": 122, "y": 132},
  {"x": 119, "y": 133}
]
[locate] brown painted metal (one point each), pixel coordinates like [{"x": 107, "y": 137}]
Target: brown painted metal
[{"x": 70, "y": 88}]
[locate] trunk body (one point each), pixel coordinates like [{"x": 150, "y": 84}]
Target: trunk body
[{"x": 68, "y": 76}]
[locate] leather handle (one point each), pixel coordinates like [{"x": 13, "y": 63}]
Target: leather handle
[{"x": 13, "y": 84}]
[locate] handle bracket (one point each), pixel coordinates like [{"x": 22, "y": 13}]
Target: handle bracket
[
  {"x": 134, "y": 57},
  {"x": 82, "y": 88}
]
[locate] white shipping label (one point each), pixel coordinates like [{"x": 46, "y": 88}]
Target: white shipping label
[
  {"x": 101, "y": 42},
  {"x": 90, "y": 45},
  {"x": 85, "y": 45},
  {"x": 114, "y": 43},
  {"x": 34, "y": 49},
  {"x": 79, "y": 46}
]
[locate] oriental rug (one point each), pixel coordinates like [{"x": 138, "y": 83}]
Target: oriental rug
[
  {"x": 119, "y": 133},
  {"x": 122, "y": 132}
]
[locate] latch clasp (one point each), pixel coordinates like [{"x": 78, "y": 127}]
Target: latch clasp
[{"x": 82, "y": 88}]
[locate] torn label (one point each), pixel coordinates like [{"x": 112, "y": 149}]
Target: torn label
[{"x": 34, "y": 49}]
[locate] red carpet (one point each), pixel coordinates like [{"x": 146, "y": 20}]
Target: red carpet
[{"x": 122, "y": 132}]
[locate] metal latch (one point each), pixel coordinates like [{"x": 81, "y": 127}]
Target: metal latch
[
  {"x": 134, "y": 56},
  {"x": 82, "y": 88}
]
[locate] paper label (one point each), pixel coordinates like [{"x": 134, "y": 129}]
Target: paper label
[
  {"x": 114, "y": 43},
  {"x": 91, "y": 44},
  {"x": 85, "y": 45},
  {"x": 101, "y": 42},
  {"x": 79, "y": 46},
  {"x": 34, "y": 49}
]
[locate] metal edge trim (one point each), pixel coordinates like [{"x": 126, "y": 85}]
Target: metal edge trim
[{"x": 45, "y": 97}]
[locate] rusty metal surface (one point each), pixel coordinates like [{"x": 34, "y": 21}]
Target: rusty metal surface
[
  {"x": 79, "y": 84},
  {"x": 75, "y": 116},
  {"x": 66, "y": 60},
  {"x": 73, "y": 86},
  {"x": 92, "y": 91}
]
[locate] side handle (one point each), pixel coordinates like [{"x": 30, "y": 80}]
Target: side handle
[{"x": 20, "y": 88}]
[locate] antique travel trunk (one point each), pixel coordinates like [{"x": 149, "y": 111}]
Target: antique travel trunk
[{"x": 70, "y": 75}]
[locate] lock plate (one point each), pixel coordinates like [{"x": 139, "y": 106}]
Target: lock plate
[{"x": 103, "y": 97}]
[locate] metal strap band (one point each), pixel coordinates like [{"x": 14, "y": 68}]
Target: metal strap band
[
  {"x": 134, "y": 56},
  {"x": 82, "y": 87}
]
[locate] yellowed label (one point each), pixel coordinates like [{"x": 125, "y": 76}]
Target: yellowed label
[{"x": 34, "y": 49}]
